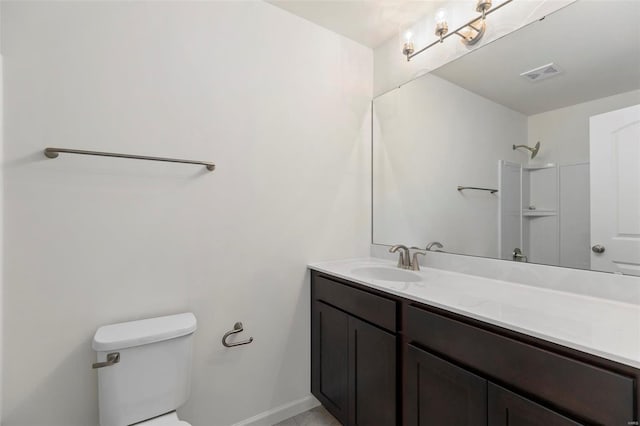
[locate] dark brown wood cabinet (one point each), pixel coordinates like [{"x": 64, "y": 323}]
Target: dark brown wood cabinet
[
  {"x": 330, "y": 335},
  {"x": 353, "y": 361},
  {"x": 382, "y": 360},
  {"x": 373, "y": 375},
  {"x": 590, "y": 392},
  {"x": 510, "y": 409},
  {"x": 436, "y": 390}
]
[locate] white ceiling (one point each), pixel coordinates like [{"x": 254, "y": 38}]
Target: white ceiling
[
  {"x": 596, "y": 44},
  {"x": 368, "y": 22}
]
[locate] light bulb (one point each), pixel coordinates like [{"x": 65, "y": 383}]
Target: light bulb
[
  {"x": 441, "y": 16},
  {"x": 408, "y": 36},
  {"x": 406, "y": 40},
  {"x": 441, "y": 23}
]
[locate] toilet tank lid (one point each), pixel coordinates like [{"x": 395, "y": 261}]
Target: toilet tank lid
[{"x": 142, "y": 332}]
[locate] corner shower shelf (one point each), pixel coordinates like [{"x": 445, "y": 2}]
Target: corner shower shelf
[
  {"x": 539, "y": 212},
  {"x": 539, "y": 166}
]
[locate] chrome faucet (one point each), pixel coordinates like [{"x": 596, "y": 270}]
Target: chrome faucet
[
  {"x": 433, "y": 244},
  {"x": 405, "y": 261},
  {"x": 517, "y": 255}
]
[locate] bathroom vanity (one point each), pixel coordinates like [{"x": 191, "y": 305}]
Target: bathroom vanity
[
  {"x": 442, "y": 348},
  {"x": 516, "y": 152}
]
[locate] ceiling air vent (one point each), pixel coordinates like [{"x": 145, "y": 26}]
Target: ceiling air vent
[{"x": 542, "y": 72}]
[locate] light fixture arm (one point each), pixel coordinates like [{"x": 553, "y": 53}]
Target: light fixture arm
[
  {"x": 483, "y": 6},
  {"x": 474, "y": 28}
]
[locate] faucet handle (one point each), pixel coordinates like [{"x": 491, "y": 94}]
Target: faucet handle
[
  {"x": 433, "y": 244},
  {"x": 415, "y": 265}
]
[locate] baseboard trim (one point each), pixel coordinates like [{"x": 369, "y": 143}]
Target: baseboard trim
[{"x": 283, "y": 412}]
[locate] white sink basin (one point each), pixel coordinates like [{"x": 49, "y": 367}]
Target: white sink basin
[{"x": 386, "y": 274}]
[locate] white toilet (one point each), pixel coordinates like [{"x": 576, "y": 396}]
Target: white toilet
[{"x": 144, "y": 370}]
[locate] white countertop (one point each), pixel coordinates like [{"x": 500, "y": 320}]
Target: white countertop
[{"x": 602, "y": 327}]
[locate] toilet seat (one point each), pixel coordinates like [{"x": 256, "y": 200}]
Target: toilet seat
[{"x": 169, "y": 419}]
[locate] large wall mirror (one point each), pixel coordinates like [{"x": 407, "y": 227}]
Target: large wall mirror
[{"x": 565, "y": 93}]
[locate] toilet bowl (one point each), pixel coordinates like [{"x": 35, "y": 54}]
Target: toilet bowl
[
  {"x": 144, "y": 370},
  {"x": 169, "y": 419}
]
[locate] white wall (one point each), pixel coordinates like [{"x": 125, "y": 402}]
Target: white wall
[
  {"x": 429, "y": 137},
  {"x": 510, "y": 209},
  {"x": 574, "y": 216},
  {"x": 1, "y": 211},
  {"x": 281, "y": 106},
  {"x": 564, "y": 133},
  {"x": 391, "y": 68}
]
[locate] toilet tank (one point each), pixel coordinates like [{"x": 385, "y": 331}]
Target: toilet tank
[{"x": 153, "y": 375}]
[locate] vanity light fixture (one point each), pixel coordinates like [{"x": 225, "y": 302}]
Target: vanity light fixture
[
  {"x": 407, "y": 47},
  {"x": 470, "y": 33},
  {"x": 441, "y": 24}
]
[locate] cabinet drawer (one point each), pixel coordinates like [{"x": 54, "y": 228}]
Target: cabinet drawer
[
  {"x": 509, "y": 409},
  {"x": 595, "y": 394},
  {"x": 370, "y": 307}
]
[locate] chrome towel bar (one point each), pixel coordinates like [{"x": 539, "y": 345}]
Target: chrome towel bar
[
  {"x": 491, "y": 190},
  {"x": 54, "y": 152},
  {"x": 237, "y": 328}
]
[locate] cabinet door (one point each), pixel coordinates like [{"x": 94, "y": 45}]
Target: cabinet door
[
  {"x": 439, "y": 393},
  {"x": 509, "y": 409},
  {"x": 330, "y": 358},
  {"x": 372, "y": 375}
]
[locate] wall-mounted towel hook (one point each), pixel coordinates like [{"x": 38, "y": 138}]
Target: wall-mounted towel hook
[{"x": 237, "y": 328}]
